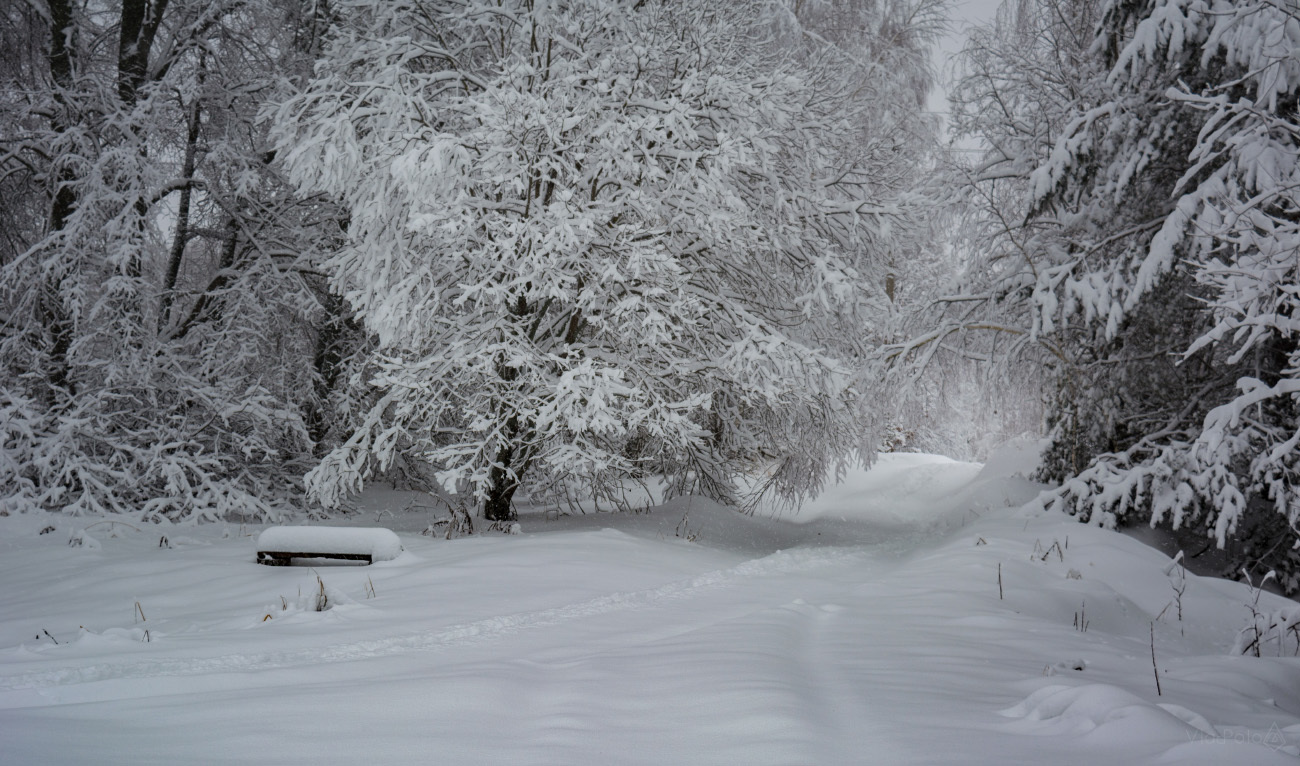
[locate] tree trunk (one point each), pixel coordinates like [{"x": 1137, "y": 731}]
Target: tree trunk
[
  {"x": 180, "y": 237},
  {"x": 139, "y": 25},
  {"x": 140, "y": 22},
  {"x": 498, "y": 505},
  {"x": 507, "y": 473},
  {"x": 338, "y": 337},
  {"x": 208, "y": 306},
  {"x": 50, "y": 302}
]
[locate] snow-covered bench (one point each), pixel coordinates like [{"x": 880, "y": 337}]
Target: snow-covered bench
[{"x": 278, "y": 546}]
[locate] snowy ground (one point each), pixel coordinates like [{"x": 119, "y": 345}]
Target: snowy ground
[{"x": 868, "y": 629}]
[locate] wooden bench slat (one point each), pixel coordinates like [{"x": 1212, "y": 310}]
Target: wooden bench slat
[{"x": 282, "y": 558}]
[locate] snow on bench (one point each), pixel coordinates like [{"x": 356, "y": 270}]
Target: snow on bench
[{"x": 278, "y": 546}]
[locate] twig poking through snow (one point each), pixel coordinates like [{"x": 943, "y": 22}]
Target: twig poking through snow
[
  {"x": 322, "y": 601},
  {"x": 1154, "y": 668},
  {"x": 112, "y": 523}
]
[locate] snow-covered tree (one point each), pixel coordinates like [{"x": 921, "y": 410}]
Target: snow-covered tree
[
  {"x": 158, "y": 307},
  {"x": 1017, "y": 80},
  {"x": 596, "y": 240},
  {"x": 880, "y": 51},
  {"x": 1151, "y": 252},
  {"x": 1232, "y": 71}
]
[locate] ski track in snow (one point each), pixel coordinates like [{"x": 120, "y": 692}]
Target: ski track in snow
[{"x": 475, "y": 632}]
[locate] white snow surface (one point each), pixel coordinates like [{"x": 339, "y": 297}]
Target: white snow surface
[
  {"x": 870, "y": 631},
  {"x": 379, "y": 543}
]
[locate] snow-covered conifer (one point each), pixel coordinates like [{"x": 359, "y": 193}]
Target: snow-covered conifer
[{"x": 1152, "y": 256}]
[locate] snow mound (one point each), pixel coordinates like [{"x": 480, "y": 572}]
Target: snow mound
[
  {"x": 112, "y": 637},
  {"x": 379, "y": 543},
  {"x": 1096, "y": 707},
  {"x": 80, "y": 539},
  {"x": 1108, "y": 717}
]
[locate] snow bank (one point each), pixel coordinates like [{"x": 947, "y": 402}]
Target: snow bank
[
  {"x": 797, "y": 643},
  {"x": 379, "y": 543}
]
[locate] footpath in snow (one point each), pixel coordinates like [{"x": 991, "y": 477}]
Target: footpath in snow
[{"x": 870, "y": 628}]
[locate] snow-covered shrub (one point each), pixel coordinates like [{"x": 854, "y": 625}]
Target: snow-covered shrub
[
  {"x": 1274, "y": 633},
  {"x": 1271, "y": 634}
]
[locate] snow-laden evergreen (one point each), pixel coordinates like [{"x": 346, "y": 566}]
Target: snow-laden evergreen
[
  {"x": 1234, "y": 72},
  {"x": 1153, "y": 263}
]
